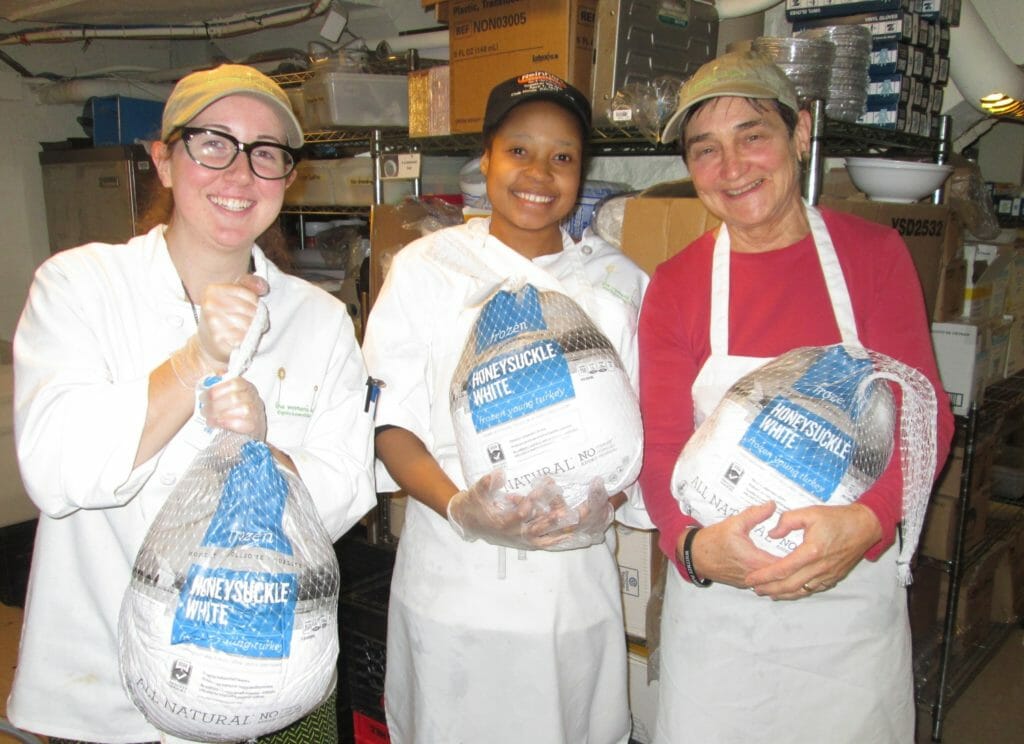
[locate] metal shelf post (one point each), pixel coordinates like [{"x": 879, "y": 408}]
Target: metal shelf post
[{"x": 955, "y": 575}]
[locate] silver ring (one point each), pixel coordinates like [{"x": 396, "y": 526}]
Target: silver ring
[{"x": 808, "y": 589}]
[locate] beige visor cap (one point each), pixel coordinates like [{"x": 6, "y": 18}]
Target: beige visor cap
[
  {"x": 196, "y": 91},
  {"x": 742, "y": 74}
]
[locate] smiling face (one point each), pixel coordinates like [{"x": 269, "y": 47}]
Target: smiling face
[
  {"x": 223, "y": 210},
  {"x": 745, "y": 168},
  {"x": 533, "y": 167}
]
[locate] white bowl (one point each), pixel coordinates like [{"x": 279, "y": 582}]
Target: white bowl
[{"x": 898, "y": 181}]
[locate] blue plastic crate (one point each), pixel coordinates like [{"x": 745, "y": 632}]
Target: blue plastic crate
[{"x": 119, "y": 120}]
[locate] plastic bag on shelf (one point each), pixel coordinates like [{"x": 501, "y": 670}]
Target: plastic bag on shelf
[
  {"x": 646, "y": 105},
  {"x": 967, "y": 195},
  {"x": 438, "y": 213}
]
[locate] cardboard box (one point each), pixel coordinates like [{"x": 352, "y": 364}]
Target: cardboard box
[
  {"x": 340, "y": 182},
  {"x": 654, "y": 229},
  {"x": 948, "y": 483},
  {"x": 1015, "y": 285},
  {"x": 639, "y": 562},
  {"x": 961, "y": 350},
  {"x": 430, "y": 102},
  {"x": 392, "y": 227},
  {"x": 999, "y": 346},
  {"x": 643, "y": 698},
  {"x": 934, "y": 238},
  {"x": 1008, "y": 583},
  {"x": 1015, "y": 347},
  {"x": 900, "y": 26},
  {"x": 949, "y": 299},
  {"x": 491, "y": 42},
  {"x": 397, "y": 502},
  {"x": 832, "y": 8},
  {"x": 925, "y": 602},
  {"x": 938, "y": 536}
]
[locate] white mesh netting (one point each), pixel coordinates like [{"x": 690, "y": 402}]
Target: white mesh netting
[
  {"x": 229, "y": 627},
  {"x": 813, "y": 426},
  {"x": 540, "y": 391}
]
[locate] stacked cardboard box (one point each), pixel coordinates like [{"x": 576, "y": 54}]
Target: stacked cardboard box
[
  {"x": 491, "y": 42},
  {"x": 909, "y": 54},
  {"x": 640, "y": 566}
]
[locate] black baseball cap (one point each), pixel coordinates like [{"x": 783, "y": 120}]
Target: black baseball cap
[{"x": 534, "y": 86}]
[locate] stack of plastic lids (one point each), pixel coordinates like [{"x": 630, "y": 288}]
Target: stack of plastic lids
[
  {"x": 806, "y": 62},
  {"x": 848, "y": 85}
]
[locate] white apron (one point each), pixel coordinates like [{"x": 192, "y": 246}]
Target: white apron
[
  {"x": 493, "y": 645},
  {"x": 735, "y": 667}
]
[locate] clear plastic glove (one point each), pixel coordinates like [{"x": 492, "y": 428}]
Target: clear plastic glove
[
  {"x": 584, "y": 525},
  {"x": 228, "y": 310},
  {"x": 235, "y": 405},
  {"x": 525, "y": 522}
]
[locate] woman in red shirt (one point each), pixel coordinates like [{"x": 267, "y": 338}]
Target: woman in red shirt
[{"x": 834, "y": 664}]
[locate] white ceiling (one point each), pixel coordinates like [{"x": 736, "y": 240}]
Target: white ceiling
[{"x": 135, "y": 12}]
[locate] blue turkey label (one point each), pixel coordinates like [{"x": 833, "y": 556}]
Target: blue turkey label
[
  {"x": 507, "y": 315},
  {"x": 804, "y": 447},
  {"x": 242, "y": 613},
  {"x": 250, "y": 510},
  {"x": 516, "y": 384},
  {"x": 837, "y": 378}
]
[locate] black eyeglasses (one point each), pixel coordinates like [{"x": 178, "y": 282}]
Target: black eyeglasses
[{"x": 217, "y": 151}]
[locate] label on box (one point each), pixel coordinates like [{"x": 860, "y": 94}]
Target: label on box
[
  {"x": 400, "y": 166},
  {"x": 833, "y": 8},
  {"x": 883, "y": 26}
]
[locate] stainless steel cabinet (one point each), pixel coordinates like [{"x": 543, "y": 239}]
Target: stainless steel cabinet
[{"x": 95, "y": 194}]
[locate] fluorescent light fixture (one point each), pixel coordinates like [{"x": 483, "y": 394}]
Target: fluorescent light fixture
[{"x": 982, "y": 72}]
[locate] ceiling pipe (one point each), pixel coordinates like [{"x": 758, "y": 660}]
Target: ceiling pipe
[
  {"x": 234, "y": 26},
  {"x": 740, "y": 8},
  {"x": 978, "y": 65}
]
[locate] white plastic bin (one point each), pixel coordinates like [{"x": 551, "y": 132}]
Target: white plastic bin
[{"x": 345, "y": 99}]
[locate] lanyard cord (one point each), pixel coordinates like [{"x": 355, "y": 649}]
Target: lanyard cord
[{"x": 192, "y": 304}]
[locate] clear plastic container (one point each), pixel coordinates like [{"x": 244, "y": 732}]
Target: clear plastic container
[{"x": 345, "y": 99}]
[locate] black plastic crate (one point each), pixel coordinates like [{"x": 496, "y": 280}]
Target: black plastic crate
[
  {"x": 364, "y": 608},
  {"x": 366, "y": 659},
  {"x": 16, "y": 543},
  {"x": 363, "y": 616},
  {"x": 359, "y": 559}
]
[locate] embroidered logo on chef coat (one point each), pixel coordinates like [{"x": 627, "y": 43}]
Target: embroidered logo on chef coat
[
  {"x": 628, "y": 295},
  {"x": 295, "y": 397}
]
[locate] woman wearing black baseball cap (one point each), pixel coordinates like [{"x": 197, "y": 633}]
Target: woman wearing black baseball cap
[{"x": 484, "y": 645}]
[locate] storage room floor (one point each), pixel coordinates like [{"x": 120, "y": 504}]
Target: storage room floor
[{"x": 991, "y": 710}]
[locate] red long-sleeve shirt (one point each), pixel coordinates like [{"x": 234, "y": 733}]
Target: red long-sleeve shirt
[{"x": 777, "y": 301}]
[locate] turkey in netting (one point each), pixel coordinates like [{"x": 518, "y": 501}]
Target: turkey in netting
[
  {"x": 228, "y": 629},
  {"x": 540, "y": 391},
  {"x": 815, "y": 426}
]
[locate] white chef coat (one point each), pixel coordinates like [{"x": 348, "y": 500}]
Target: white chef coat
[
  {"x": 737, "y": 668},
  {"x": 538, "y": 655},
  {"x": 98, "y": 319}
]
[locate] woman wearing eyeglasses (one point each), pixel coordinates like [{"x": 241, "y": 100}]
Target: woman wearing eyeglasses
[{"x": 108, "y": 352}]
